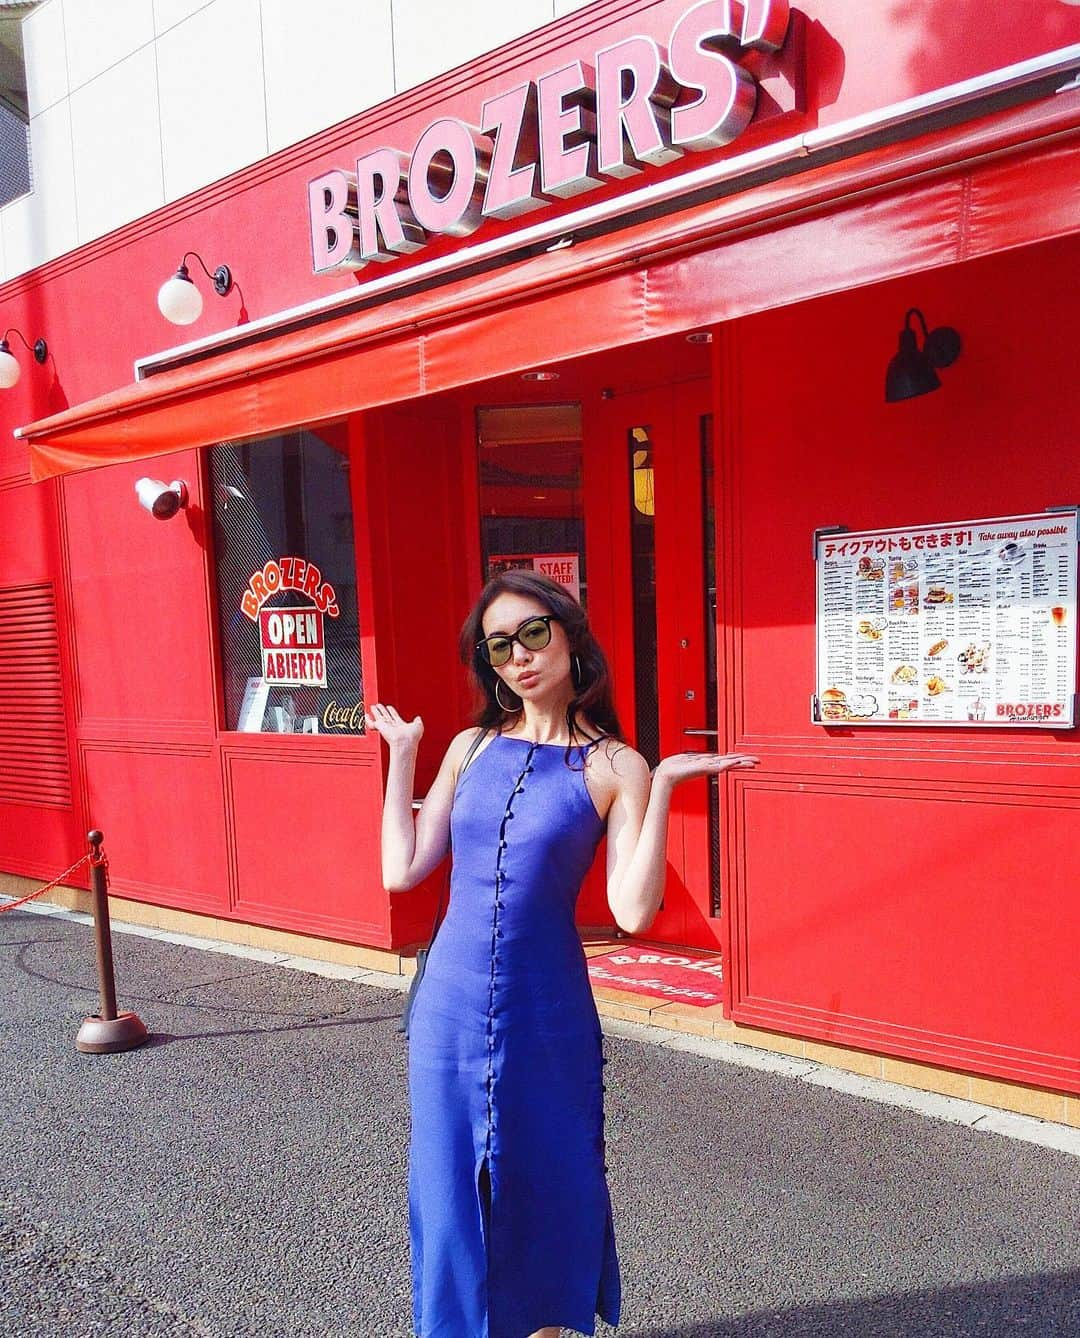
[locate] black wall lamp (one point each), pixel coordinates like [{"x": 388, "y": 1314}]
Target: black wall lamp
[
  {"x": 913, "y": 370},
  {"x": 180, "y": 301},
  {"x": 10, "y": 370}
]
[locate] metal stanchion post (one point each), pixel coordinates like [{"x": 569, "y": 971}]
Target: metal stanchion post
[{"x": 110, "y": 1031}]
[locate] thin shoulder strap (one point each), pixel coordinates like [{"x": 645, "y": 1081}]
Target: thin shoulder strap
[{"x": 481, "y": 734}]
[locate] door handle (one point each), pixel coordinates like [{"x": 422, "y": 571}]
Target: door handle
[{"x": 714, "y": 732}]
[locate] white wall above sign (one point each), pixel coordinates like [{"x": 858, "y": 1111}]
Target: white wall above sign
[{"x": 572, "y": 129}]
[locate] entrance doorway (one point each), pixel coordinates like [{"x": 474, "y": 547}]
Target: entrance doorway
[
  {"x": 658, "y": 449},
  {"x": 612, "y": 479}
]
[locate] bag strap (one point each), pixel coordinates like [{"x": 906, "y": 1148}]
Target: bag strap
[{"x": 478, "y": 738}]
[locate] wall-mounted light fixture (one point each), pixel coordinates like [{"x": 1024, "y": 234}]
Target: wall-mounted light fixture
[
  {"x": 10, "y": 370},
  {"x": 912, "y": 370},
  {"x": 162, "y": 500},
  {"x": 180, "y": 301}
]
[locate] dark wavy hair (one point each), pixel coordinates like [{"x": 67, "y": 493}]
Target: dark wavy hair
[{"x": 592, "y": 692}]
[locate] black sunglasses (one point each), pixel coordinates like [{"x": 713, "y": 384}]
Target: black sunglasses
[{"x": 533, "y": 633}]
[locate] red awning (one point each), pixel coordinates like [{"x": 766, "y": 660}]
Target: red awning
[{"x": 1007, "y": 180}]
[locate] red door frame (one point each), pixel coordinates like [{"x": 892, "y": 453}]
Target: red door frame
[{"x": 673, "y": 409}]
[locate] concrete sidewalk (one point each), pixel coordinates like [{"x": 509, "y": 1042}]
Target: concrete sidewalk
[{"x": 244, "y": 1172}]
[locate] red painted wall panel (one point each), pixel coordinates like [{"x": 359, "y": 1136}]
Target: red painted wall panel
[
  {"x": 40, "y": 841},
  {"x": 159, "y": 805},
  {"x": 820, "y": 446},
  {"x": 945, "y": 914},
  {"x": 141, "y": 612},
  {"x": 303, "y": 835},
  {"x": 904, "y": 887}
]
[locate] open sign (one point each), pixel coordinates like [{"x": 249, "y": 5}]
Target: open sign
[{"x": 293, "y": 647}]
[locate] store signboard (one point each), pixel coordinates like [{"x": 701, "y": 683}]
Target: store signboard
[
  {"x": 293, "y": 647},
  {"x": 560, "y": 567},
  {"x": 968, "y": 623},
  {"x": 292, "y": 639},
  {"x": 634, "y": 105}
]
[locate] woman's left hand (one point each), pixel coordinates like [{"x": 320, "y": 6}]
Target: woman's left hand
[{"x": 684, "y": 766}]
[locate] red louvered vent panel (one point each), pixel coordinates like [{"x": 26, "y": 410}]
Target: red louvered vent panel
[{"x": 33, "y": 745}]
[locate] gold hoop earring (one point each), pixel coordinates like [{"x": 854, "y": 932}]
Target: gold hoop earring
[
  {"x": 510, "y": 710},
  {"x": 578, "y": 663}
]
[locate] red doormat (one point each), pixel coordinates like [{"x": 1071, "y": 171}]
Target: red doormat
[{"x": 667, "y": 975}]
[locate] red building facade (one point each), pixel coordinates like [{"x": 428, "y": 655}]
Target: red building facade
[{"x": 656, "y": 363}]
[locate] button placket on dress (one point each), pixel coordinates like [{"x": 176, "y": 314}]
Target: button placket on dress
[{"x": 496, "y": 934}]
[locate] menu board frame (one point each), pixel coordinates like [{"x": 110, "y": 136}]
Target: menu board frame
[{"x": 901, "y": 567}]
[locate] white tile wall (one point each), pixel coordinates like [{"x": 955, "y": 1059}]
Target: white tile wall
[
  {"x": 42, "y": 224},
  {"x": 116, "y": 139},
  {"x": 168, "y": 12},
  {"x": 101, "y": 32},
  {"x": 46, "y": 57},
  {"x": 330, "y": 64},
  {"x": 430, "y": 38},
  {"x": 137, "y": 102},
  {"x": 213, "y": 109}
]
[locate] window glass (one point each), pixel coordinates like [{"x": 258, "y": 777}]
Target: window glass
[
  {"x": 531, "y": 509},
  {"x": 14, "y": 111},
  {"x": 643, "y": 575},
  {"x": 286, "y": 584}
]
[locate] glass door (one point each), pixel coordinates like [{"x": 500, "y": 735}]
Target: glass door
[{"x": 661, "y": 467}]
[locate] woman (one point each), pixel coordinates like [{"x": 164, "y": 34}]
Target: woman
[{"x": 509, "y": 1214}]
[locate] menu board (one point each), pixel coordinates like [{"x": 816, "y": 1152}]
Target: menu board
[{"x": 971, "y": 623}]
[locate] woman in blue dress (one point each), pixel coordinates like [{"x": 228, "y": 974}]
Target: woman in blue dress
[{"x": 510, "y": 1220}]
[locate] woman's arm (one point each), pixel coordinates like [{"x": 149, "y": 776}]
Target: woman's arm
[
  {"x": 412, "y": 848},
  {"x": 638, "y": 828}
]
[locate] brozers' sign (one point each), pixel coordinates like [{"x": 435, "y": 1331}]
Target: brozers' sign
[{"x": 564, "y": 133}]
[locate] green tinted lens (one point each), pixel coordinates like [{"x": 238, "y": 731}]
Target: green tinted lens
[
  {"x": 535, "y": 635},
  {"x": 498, "y": 650}
]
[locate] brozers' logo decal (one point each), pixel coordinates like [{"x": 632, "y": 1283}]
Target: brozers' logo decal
[
  {"x": 292, "y": 639},
  {"x": 566, "y": 132}
]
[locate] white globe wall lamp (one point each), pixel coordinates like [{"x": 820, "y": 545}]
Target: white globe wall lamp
[
  {"x": 10, "y": 370},
  {"x": 179, "y": 301}
]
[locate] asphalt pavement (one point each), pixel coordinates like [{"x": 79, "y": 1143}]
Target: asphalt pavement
[{"x": 244, "y": 1173}]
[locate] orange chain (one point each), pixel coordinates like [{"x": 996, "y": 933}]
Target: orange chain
[{"x": 100, "y": 860}]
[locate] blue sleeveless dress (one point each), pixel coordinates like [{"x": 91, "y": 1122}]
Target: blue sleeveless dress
[{"x": 510, "y": 1222}]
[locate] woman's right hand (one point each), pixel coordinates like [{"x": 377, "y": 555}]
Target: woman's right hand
[{"x": 397, "y": 732}]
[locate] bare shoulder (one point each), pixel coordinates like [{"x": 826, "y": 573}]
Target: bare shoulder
[
  {"x": 617, "y": 760},
  {"x": 460, "y": 742},
  {"x": 459, "y": 745},
  {"x": 614, "y": 768}
]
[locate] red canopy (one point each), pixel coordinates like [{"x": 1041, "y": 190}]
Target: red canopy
[{"x": 1008, "y": 179}]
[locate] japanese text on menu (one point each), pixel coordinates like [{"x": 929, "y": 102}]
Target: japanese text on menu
[{"x": 971, "y": 623}]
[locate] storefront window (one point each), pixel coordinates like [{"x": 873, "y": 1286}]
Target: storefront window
[
  {"x": 531, "y": 511},
  {"x": 286, "y": 584}
]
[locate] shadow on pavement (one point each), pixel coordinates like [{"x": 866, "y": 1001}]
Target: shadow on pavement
[{"x": 1043, "y": 1305}]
